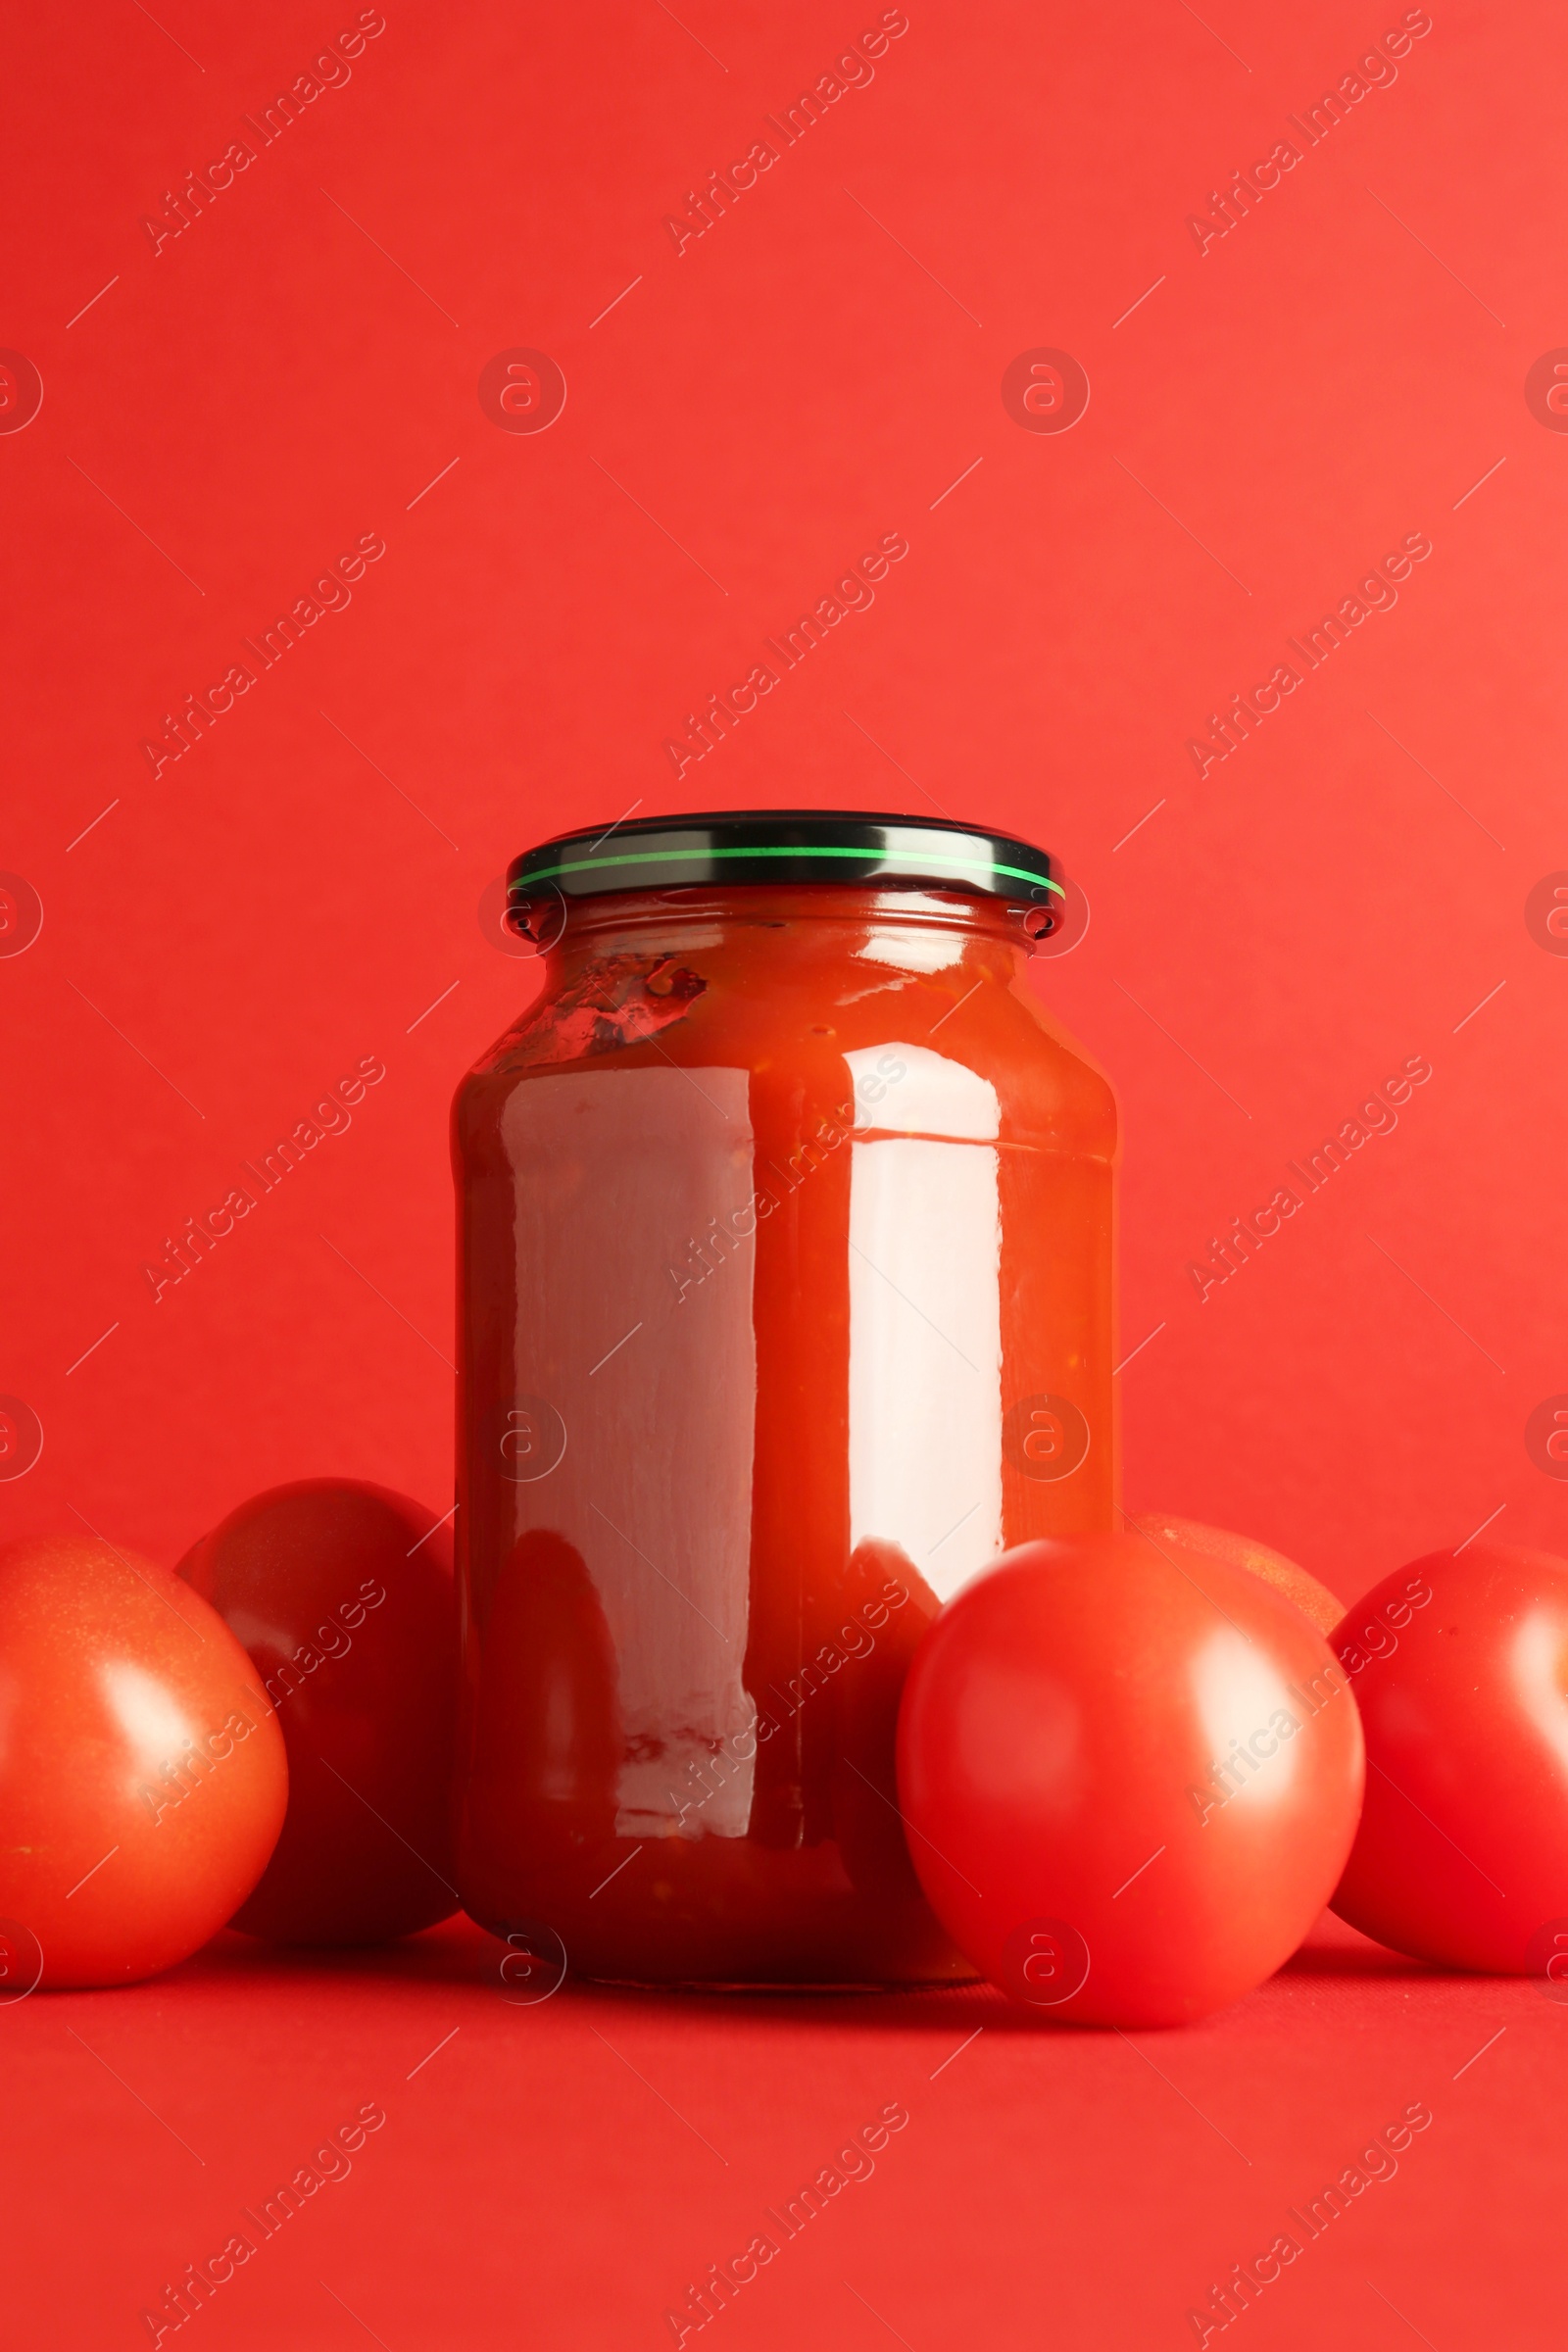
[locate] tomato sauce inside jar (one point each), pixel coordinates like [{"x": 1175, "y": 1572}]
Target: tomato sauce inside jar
[{"x": 786, "y": 1302}]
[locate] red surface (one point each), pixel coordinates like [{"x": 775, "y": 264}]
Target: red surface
[
  {"x": 559, "y": 2175},
  {"x": 1345, "y": 367}
]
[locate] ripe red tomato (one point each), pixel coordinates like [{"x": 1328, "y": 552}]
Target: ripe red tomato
[
  {"x": 1459, "y": 1665},
  {"x": 142, "y": 1774},
  {"x": 1131, "y": 1783},
  {"x": 344, "y": 1601},
  {"x": 1314, "y": 1601}
]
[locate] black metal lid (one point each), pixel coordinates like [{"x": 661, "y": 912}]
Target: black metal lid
[{"x": 727, "y": 846}]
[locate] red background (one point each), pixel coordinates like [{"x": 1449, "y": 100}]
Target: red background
[{"x": 302, "y": 889}]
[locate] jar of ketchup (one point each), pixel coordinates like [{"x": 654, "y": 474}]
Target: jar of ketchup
[{"x": 786, "y": 1302}]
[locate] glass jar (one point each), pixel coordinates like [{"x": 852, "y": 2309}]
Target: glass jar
[{"x": 786, "y": 1302}]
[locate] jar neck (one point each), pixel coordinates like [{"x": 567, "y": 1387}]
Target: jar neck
[{"x": 910, "y": 926}]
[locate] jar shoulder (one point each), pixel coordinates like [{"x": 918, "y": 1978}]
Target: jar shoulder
[{"x": 862, "y": 1041}]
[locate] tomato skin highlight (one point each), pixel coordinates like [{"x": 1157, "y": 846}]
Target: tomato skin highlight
[
  {"x": 1459, "y": 1665},
  {"x": 1131, "y": 1783},
  {"x": 143, "y": 1780},
  {"x": 344, "y": 1601},
  {"x": 1312, "y": 1599}
]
